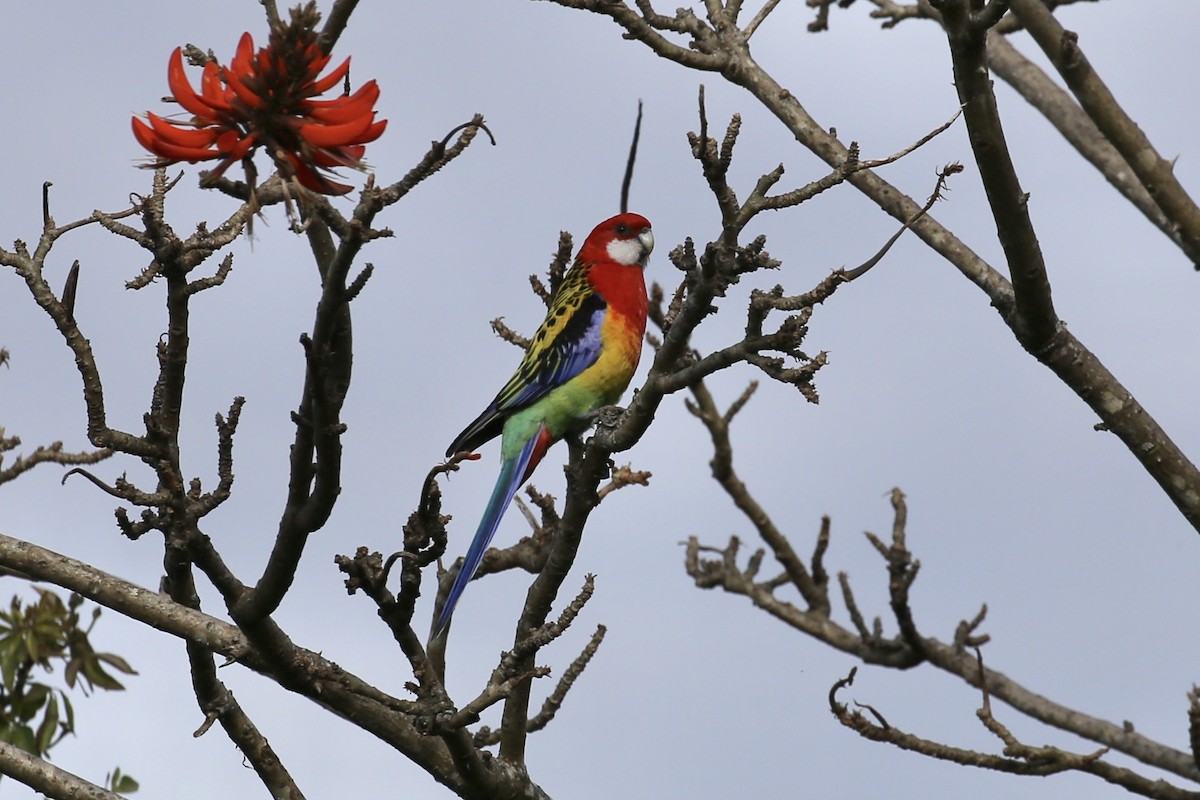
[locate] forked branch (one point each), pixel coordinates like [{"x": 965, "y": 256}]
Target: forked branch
[{"x": 763, "y": 586}]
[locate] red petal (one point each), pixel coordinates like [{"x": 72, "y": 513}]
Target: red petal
[
  {"x": 167, "y": 131},
  {"x": 316, "y": 61},
  {"x": 213, "y": 87},
  {"x": 323, "y": 85},
  {"x": 311, "y": 179},
  {"x": 234, "y": 145},
  {"x": 228, "y": 140},
  {"x": 243, "y": 92},
  {"x": 319, "y": 135},
  {"x": 350, "y": 156},
  {"x": 243, "y": 58},
  {"x": 148, "y": 139},
  {"x": 145, "y": 136},
  {"x": 373, "y": 132},
  {"x": 340, "y": 110},
  {"x": 182, "y": 89}
]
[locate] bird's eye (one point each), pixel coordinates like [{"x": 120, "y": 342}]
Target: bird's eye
[{"x": 622, "y": 229}]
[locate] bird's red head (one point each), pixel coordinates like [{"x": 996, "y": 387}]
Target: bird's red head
[{"x": 625, "y": 239}]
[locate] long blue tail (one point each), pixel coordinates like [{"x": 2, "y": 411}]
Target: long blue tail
[{"x": 512, "y": 475}]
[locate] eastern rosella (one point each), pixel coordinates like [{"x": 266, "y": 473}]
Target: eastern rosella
[{"x": 581, "y": 359}]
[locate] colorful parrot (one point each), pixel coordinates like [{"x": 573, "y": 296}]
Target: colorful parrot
[{"x": 581, "y": 358}]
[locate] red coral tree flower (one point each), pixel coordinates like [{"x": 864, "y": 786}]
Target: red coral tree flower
[{"x": 265, "y": 98}]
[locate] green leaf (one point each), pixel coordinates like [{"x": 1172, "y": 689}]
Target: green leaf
[
  {"x": 22, "y": 736},
  {"x": 70, "y": 723},
  {"x": 10, "y": 658},
  {"x": 117, "y": 662},
  {"x": 122, "y": 784},
  {"x": 72, "y": 672},
  {"x": 46, "y": 635},
  {"x": 37, "y": 693},
  {"x": 98, "y": 678},
  {"x": 31, "y": 643},
  {"x": 27, "y": 706},
  {"x": 49, "y": 727}
]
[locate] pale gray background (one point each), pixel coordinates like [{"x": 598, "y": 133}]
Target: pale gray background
[{"x": 1014, "y": 500}]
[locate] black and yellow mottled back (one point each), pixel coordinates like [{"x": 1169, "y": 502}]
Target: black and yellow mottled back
[{"x": 567, "y": 343}]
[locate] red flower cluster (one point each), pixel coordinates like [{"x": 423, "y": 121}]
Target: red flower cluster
[{"x": 265, "y": 98}]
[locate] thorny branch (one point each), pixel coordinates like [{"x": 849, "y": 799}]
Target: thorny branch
[
  {"x": 1155, "y": 173},
  {"x": 707, "y": 277},
  {"x": 1061, "y": 111},
  {"x": 1032, "y": 761},
  {"x": 908, "y": 647},
  {"x": 1018, "y": 758},
  {"x": 719, "y": 44},
  {"x": 177, "y": 505},
  {"x": 392, "y": 720},
  {"x": 431, "y": 729},
  {"x": 551, "y": 551},
  {"x": 46, "y": 454}
]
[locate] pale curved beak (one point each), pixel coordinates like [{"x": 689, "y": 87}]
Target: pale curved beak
[{"x": 646, "y": 237}]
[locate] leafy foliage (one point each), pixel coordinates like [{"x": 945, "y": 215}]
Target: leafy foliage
[
  {"x": 120, "y": 783},
  {"x": 35, "y": 638}
]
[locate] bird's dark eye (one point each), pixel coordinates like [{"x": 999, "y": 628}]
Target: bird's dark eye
[{"x": 622, "y": 229}]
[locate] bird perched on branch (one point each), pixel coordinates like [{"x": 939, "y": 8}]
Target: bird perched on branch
[{"x": 581, "y": 359}]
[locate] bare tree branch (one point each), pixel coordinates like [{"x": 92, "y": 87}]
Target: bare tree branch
[
  {"x": 1034, "y": 321},
  {"x": 908, "y": 648},
  {"x": 723, "y": 49},
  {"x": 47, "y": 454},
  {"x": 1061, "y": 111},
  {"x": 316, "y": 454},
  {"x": 1018, "y": 758},
  {"x": 44, "y": 777},
  {"x": 1154, "y": 171}
]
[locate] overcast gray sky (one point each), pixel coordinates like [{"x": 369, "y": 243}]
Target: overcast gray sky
[{"x": 1088, "y": 571}]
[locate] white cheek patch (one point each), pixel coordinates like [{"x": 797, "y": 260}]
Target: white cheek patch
[{"x": 625, "y": 251}]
